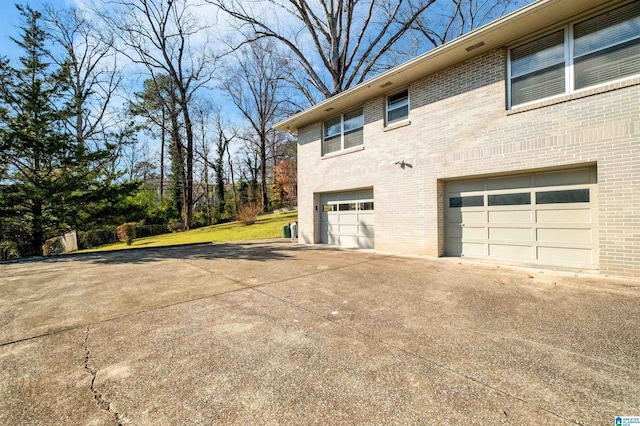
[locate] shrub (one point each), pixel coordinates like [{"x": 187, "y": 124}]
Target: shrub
[
  {"x": 9, "y": 250},
  {"x": 248, "y": 213},
  {"x": 203, "y": 218},
  {"x": 127, "y": 232},
  {"x": 175, "y": 225},
  {"x": 97, "y": 237},
  {"x": 150, "y": 230}
]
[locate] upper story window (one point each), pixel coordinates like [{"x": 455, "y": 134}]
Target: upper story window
[
  {"x": 343, "y": 132},
  {"x": 398, "y": 107},
  {"x": 593, "y": 51}
]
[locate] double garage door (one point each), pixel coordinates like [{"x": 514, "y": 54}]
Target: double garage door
[
  {"x": 543, "y": 218},
  {"x": 346, "y": 219}
]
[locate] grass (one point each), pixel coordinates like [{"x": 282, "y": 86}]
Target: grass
[{"x": 266, "y": 226}]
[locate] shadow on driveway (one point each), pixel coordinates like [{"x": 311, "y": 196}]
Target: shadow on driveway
[{"x": 260, "y": 251}]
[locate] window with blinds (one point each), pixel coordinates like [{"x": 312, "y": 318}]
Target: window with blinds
[
  {"x": 607, "y": 47},
  {"x": 537, "y": 69},
  {"x": 343, "y": 132},
  {"x": 604, "y": 48}
]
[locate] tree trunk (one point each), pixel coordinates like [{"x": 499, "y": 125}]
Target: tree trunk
[
  {"x": 205, "y": 172},
  {"x": 263, "y": 171},
  {"x": 233, "y": 182},
  {"x": 177, "y": 163},
  {"x": 37, "y": 233},
  {"x": 219, "y": 170},
  {"x": 162, "y": 142},
  {"x": 184, "y": 104}
]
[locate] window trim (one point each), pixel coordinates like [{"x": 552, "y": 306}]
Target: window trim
[
  {"x": 568, "y": 28},
  {"x": 387, "y": 122},
  {"x": 342, "y": 149}
]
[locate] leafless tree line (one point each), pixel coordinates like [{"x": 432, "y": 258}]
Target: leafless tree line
[{"x": 210, "y": 98}]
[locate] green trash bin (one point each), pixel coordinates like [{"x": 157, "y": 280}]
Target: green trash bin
[{"x": 286, "y": 231}]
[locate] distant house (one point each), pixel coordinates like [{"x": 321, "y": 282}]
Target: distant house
[{"x": 518, "y": 142}]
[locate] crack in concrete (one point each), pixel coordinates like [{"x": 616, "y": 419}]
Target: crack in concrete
[
  {"x": 104, "y": 404},
  {"x": 100, "y": 400}
]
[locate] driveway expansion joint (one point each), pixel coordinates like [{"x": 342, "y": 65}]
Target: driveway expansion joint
[{"x": 100, "y": 400}]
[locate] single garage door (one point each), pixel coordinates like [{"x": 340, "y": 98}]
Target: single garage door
[
  {"x": 542, "y": 218},
  {"x": 346, "y": 219}
]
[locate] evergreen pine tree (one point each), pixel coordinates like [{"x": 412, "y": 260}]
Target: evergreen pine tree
[{"x": 51, "y": 180}]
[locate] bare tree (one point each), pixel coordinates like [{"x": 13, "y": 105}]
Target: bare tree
[
  {"x": 224, "y": 137},
  {"x": 203, "y": 112},
  {"x": 256, "y": 85},
  {"x": 94, "y": 76},
  {"x": 232, "y": 179},
  {"x": 210, "y": 119},
  {"x": 161, "y": 36},
  {"x": 347, "y": 37},
  {"x": 452, "y": 18}
]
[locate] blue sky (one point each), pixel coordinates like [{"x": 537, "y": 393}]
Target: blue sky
[{"x": 10, "y": 20}]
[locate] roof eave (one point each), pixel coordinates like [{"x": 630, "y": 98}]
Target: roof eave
[{"x": 520, "y": 23}]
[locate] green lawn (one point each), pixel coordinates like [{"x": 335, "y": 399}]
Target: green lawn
[{"x": 267, "y": 226}]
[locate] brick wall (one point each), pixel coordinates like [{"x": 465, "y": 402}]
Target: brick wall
[{"x": 460, "y": 127}]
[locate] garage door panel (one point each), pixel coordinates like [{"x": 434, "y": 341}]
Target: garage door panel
[
  {"x": 548, "y": 218},
  {"x": 348, "y": 219},
  {"x": 366, "y": 194},
  {"x": 348, "y": 229},
  {"x": 564, "y": 235},
  {"x": 509, "y": 233},
  {"x": 568, "y": 216},
  {"x": 332, "y": 227},
  {"x": 510, "y": 251},
  {"x": 510, "y": 216},
  {"x": 349, "y": 241},
  {"x": 474, "y": 233},
  {"x": 365, "y": 231},
  {"x": 473, "y": 216},
  {"x": 366, "y": 242},
  {"x": 474, "y": 250},
  {"x": 565, "y": 255},
  {"x": 457, "y": 188},
  {"x": 365, "y": 219},
  {"x": 564, "y": 177},
  {"x": 509, "y": 182}
]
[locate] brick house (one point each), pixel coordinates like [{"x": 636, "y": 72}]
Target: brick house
[{"x": 518, "y": 142}]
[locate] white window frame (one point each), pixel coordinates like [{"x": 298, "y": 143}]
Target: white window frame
[
  {"x": 342, "y": 148},
  {"x": 388, "y": 110},
  {"x": 569, "y": 61}
]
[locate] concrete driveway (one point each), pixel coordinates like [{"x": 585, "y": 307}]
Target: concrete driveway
[{"x": 274, "y": 333}]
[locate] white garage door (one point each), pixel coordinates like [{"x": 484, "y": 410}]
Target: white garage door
[
  {"x": 346, "y": 219},
  {"x": 543, "y": 218}
]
